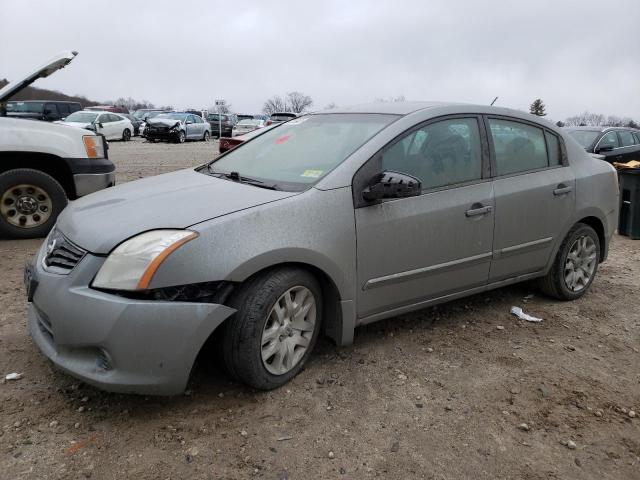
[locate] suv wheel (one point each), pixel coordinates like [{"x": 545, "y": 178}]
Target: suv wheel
[
  {"x": 575, "y": 265},
  {"x": 30, "y": 202},
  {"x": 270, "y": 337}
]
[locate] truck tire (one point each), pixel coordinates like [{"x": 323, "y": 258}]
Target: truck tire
[{"x": 30, "y": 202}]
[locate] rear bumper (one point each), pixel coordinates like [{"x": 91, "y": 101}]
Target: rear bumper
[{"x": 115, "y": 343}]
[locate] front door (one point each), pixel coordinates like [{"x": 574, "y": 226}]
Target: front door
[
  {"x": 534, "y": 197},
  {"x": 414, "y": 249}
]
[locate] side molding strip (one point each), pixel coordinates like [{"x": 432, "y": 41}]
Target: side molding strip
[{"x": 420, "y": 272}]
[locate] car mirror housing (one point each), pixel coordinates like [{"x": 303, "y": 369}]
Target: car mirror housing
[
  {"x": 389, "y": 184},
  {"x": 604, "y": 148}
]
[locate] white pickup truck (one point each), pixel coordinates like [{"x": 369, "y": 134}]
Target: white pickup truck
[{"x": 43, "y": 165}]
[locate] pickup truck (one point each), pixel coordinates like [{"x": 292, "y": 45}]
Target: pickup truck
[{"x": 43, "y": 165}]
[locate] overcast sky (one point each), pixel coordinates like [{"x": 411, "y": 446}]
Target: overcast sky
[{"x": 574, "y": 54}]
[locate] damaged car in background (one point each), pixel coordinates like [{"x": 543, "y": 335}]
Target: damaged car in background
[
  {"x": 176, "y": 127},
  {"x": 321, "y": 224}
]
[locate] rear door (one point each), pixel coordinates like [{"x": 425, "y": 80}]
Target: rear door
[
  {"x": 411, "y": 250},
  {"x": 534, "y": 195},
  {"x": 629, "y": 148}
]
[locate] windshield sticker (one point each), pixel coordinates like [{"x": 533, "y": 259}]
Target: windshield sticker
[
  {"x": 312, "y": 173},
  {"x": 282, "y": 139}
]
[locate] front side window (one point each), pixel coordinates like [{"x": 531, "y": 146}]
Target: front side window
[
  {"x": 51, "y": 110},
  {"x": 518, "y": 147},
  {"x": 301, "y": 152},
  {"x": 443, "y": 153},
  {"x": 626, "y": 138},
  {"x": 25, "y": 107},
  {"x": 610, "y": 139}
]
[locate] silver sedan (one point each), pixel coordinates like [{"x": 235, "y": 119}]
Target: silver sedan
[{"x": 316, "y": 226}]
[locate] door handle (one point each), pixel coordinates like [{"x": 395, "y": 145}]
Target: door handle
[
  {"x": 562, "y": 190},
  {"x": 478, "y": 209}
]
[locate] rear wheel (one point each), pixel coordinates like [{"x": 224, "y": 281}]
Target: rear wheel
[
  {"x": 575, "y": 265},
  {"x": 126, "y": 135},
  {"x": 30, "y": 202},
  {"x": 270, "y": 337},
  {"x": 206, "y": 137}
]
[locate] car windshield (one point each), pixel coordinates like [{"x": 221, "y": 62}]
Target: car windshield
[
  {"x": 140, "y": 113},
  {"x": 302, "y": 151},
  {"x": 173, "y": 116},
  {"x": 25, "y": 107},
  {"x": 585, "y": 137},
  {"x": 82, "y": 117}
]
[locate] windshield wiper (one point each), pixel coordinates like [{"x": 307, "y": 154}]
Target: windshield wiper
[{"x": 235, "y": 177}]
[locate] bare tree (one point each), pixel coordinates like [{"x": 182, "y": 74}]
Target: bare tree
[
  {"x": 132, "y": 104},
  {"x": 330, "y": 105},
  {"x": 399, "y": 98},
  {"x": 274, "y": 104},
  {"x": 298, "y": 102},
  {"x": 586, "y": 119}
]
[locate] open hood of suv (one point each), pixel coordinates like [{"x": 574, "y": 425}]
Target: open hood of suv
[{"x": 53, "y": 65}]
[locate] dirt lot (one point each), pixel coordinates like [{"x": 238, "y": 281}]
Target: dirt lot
[{"x": 439, "y": 394}]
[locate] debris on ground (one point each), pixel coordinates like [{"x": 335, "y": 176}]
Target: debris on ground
[
  {"x": 13, "y": 376},
  {"x": 517, "y": 311}
]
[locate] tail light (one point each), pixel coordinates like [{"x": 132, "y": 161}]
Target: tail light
[{"x": 269, "y": 122}]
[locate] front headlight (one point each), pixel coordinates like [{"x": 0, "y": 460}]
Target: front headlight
[
  {"x": 94, "y": 146},
  {"x": 133, "y": 263}
]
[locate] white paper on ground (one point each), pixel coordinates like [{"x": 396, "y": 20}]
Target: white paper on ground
[
  {"x": 13, "y": 376},
  {"x": 517, "y": 311}
]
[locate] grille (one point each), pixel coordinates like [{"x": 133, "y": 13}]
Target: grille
[{"x": 62, "y": 255}]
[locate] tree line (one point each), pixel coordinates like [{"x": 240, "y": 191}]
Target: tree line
[{"x": 585, "y": 119}]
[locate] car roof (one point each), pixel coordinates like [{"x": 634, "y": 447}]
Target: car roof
[
  {"x": 42, "y": 101},
  {"x": 601, "y": 128}
]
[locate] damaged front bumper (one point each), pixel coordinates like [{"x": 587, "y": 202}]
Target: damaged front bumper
[{"x": 115, "y": 343}]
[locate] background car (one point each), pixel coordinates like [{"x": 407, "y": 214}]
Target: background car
[
  {"x": 246, "y": 126},
  {"x": 46, "y": 110},
  {"x": 616, "y": 144},
  {"x": 280, "y": 117},
  {"x": 178, "y": 127},
  {"x": 224, "y": 120},
  {"x": 227, "y": 143},
  {"x": 108, "y": 108},
  {"x": 136, "y": 122},
  {"x": 112, "y": 125},
  {"x": 242, "y": 116}
]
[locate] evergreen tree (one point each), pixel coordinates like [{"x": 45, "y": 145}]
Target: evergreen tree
[{"x": 537, "y": 108}]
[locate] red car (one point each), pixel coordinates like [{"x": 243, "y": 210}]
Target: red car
[{"x": 227, "y": 143}]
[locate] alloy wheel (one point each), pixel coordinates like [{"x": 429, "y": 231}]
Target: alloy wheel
[
  {"x": 25, "y": 206},
  {"x": 288, "y": 331},
  {"x": 580, "y": 263}
]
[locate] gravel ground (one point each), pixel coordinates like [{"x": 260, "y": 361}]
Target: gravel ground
[{"x": 463, "y": 390}]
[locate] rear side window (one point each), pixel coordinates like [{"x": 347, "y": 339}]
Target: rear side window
[
  {"x": 610, "y": 139},
  {"x": 553, "y": 147},
  {"x": 637, "y": 137},
  {"x": 626, "y": 138},
  {"x": 51, "y": 110},
  {"x": 518, "y": 147},
  {"x": 63, "y": 108},
  {"x": 439, "y": 154},
  {"x": 74, "y": 107}
]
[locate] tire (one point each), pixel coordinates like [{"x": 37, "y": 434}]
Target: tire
[
  {"x": 126, "y": 135},
  {"x": 29, "y": 195},
  {"x": 243, "y": 339},
  {"x": 205, "y": 137},
  {"x": 181, "y": 138},
  {"x": 555, "y": 283}
]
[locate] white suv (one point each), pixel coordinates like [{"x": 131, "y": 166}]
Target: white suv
[{"x": 43, "y": 165}]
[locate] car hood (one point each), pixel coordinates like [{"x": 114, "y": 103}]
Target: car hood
[
  {"x": 74, "y": 124},
  {"x": 167, "y": 122},
  {"x": 100, "y": 221},
  {"x": 53, "y": 65}
]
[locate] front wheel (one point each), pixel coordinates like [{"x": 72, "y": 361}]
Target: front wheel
[
  {"x": 575, "y": 266},
  {"x": 182, "y": 137},
  {"x": 30, "y": 202},
  {"x": 270, "y": 337}
]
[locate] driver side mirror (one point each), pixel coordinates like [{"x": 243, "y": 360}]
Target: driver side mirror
[
  {"x": 390, "y": 184},
  {"x": 604, "y": 148}
]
